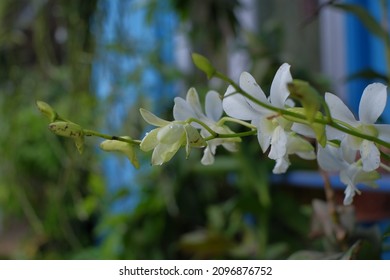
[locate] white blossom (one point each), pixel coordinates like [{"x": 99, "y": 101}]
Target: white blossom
[
  {"x": 351, "y": 172},
  {"x": 168, "y": 137},
  {"x": 272, "y": 129},
  {"x": 190, "y": 107},
  {"x": 372, "y": 105}
]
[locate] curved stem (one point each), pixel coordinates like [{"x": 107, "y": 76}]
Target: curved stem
[
  {"x": 327, "y": 111},
  {"x": 212, "y": 132},
  {"x": 88, "y": 132},
  {"x": 232, "y": 135},
  {"x": 385, "y": 167},
  {"x": 229, "y": 119}
]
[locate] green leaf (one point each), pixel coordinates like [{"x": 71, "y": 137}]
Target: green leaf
[
  {"x": 308, "y": 96},
  {"x": 122, "y": 147},
  {"x": 204, "y": 64},
  {"x": 367, "y": 19},
  {"x": 69, "y": 129}
]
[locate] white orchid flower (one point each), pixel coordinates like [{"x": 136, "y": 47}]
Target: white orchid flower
[
  {"x": 191, "y": 108},
  {"x": 272, "y": 129},
  {"x": 372, "y": 105},
  {"x": 167, "y": 139},
  {"x": 351, "y": 173}
]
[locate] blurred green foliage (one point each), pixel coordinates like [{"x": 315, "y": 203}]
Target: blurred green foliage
[{"x": 45, "y": 53}]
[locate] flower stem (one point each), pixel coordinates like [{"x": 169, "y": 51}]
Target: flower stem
[
  {"x": 229, "y": 119},
  {"x": 385, "y": 167},
  {"x": 88, "y": 132},
  {"x": 212, "y": 132},
  {"x": 232, "y": 135}
]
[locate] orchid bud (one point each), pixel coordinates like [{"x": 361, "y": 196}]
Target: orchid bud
[
  {"x": 69, "y": 129},
  {"x": 204, "y": 64},
  {"x": 122, "y": 147},
  {"x": 47, "y": 110}
]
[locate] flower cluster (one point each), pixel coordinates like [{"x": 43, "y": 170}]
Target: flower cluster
[
  {"x": 322, "y": 128},
  {"x": 281, "y": 128}
]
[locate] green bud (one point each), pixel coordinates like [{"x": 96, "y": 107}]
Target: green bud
[
  {"x": 204, "y": 64},
  {"x": 308, "y": 96},
  {"x": 69, "y": 129},
  {"x": 122, "y": 147},
  {"x": 47, "y": 110}
]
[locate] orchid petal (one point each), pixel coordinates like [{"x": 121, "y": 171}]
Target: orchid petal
[
  {"x": 278, "y": 143},
  {"x": 330, "y": 159},
  {"x": 309, "y": 155},
  {"x": 383, "y": 131},
  {"x": 182, "y": 111},
  {"x": 149, "y": 142},
  {"x": 372, "y": 103},
  {"x": 193, "y": 138},
  {"x": 368, "y": 178},
  {"x": 334, "y": 134},
  {"x": 164, "y": 152},
  {"x": 303, "y": 129},
  {"x": 170, "y": 134},
  {"x": 208, "y": 156},
  {"x": 230, "y": 146},
  {"x": 370, "y": 155},
  {"x": 193, "y": 100},
  {"x": 352, "y": 142},
  {"x": 265, "y": 129},
  {"x": 250, "y": 86},
  {"x": 236, "y": 106},
  {"x": 348, "y": 153},
  {"x": 279, "y": 91},
  {"x": 349, "y": 192},
  {"x": 152, "y": 119},
  {"x": 281, "y": 165},
  {"x": 213, "y": 106},
  {"x": 338, "y": 109},
  {"x": 300, "y": 146}
]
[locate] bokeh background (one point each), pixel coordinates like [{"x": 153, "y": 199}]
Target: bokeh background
[{"x": 97, "y": 61}]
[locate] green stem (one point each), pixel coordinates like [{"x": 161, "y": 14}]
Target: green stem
[
  {"x": 232, "y": 135},
  {"x": 385, "y": 167},
  {"x": 224, "y": 135},
  {"x": 212, "y": 132},
  {"x": 88, "y": 132},
  {"x": 327, "y": 111},
  {"x": 385, "y": 156},
  {"x": 229, "y": 119}
]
